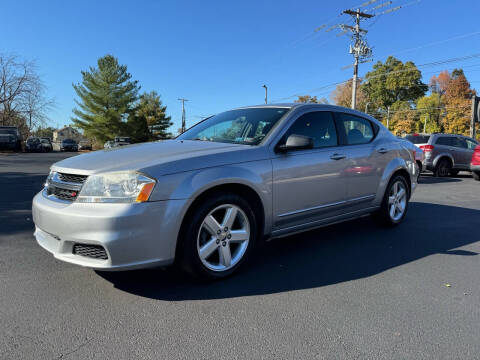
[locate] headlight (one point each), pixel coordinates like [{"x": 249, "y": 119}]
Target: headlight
[{"x": 118, "y": 187}]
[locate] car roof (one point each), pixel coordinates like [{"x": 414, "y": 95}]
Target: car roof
[{"x": 325, "y": 107}]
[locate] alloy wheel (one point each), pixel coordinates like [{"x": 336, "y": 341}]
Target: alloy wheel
[
  {"x": 223, "y": 237},
  {"x": 397, "y": 200}
]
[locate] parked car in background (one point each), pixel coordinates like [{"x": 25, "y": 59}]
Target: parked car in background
[
  {"x": 419, "y": 155},
  {"x": 475, "y": 163},
  {"x": 36, "y": 144},
  {"x": 68, "y": 145},
  {"x": 84, "y": 145},
  {"x": 206, "y": 197},
  {"x": 108, "y": 145},
  {"x": 445, "y": 154},
  {"x": 122, "y": 141},
  {"x": 10, "y": 138},
  {"x": 46, "y": 144}
]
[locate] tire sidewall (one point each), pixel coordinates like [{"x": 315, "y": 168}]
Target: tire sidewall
[
  {"x": 385, "y": 209},
  {"x": 447, "y": 165},
  {"x": 189, "y": 259}
]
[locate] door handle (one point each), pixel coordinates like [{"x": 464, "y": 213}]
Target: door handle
[
  {"x": 337, "y": 156},
  {"x": 382, "y": 150}
]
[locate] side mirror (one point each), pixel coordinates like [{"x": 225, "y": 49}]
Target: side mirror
[{"x": 296, "y": 142}]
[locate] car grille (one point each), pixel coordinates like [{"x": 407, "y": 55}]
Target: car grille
[
  {"x": 63, "y": 194},
  {"x": 90, "y": 251},
  {"x": 65, "y": 186},
  {"x": 80, "y": 179}
]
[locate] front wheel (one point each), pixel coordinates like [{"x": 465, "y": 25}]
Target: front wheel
[
  {"x": 395, "y": 202},
  {"x": 218, "y": 238}
]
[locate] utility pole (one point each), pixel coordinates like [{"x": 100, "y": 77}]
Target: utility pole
[
  {"x": 360, "y": 50},
  {"x": 475, "y": 117},
  {"x": 183, "y": 114},
  {"x": 388, "y": 118},
  {"x": 266, "y": 93}
]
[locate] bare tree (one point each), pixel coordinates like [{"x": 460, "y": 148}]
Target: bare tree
[{"x": 22, "y": 93}]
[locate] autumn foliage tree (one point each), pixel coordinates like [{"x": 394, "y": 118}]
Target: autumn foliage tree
[
  {"x": 342, "y": 95},
  {"x": 457, "y": 100},
  {"x": 311, "y": 99},
  {"x": 404, "y": 118}
]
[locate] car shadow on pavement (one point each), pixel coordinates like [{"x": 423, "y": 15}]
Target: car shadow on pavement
[
  {"x": 326, "y": 256},
  {"x": 438, "y": 180}
]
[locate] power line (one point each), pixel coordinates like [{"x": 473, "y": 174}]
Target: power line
[{"x": 431, "y": 64}]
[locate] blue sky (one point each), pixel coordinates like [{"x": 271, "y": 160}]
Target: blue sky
[{"x": 218, "y": 54}]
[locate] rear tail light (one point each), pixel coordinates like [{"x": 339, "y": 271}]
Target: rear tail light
[
  {"x": 426, "y": 148},
  {"x": 476, "y": 156}
]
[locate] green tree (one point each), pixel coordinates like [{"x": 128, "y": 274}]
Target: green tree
[
  {"x": 106, "y": 97},
  {"x": 45, "y": 132},
  {"x": 393, "y": 81},
  {"x": 150, "y": 120},
  {"x": 430, "y": 109}
]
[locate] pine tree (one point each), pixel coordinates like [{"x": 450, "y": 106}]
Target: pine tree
[
  {"x": 151, "y": 113},
  {"x": 106, "y": 98}
]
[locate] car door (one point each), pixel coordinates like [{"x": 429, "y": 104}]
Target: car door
[
  {"x": 462, "y": 153},
  {"x": 308, "y": 184},
  {"x": 367, "y": 158}
]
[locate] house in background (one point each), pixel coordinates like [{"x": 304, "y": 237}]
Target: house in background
[{"x": 67, "y": 132}]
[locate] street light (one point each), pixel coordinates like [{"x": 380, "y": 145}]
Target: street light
[
  {"x": 266, "y": 90},
  {"x": 366, "y": 107}
]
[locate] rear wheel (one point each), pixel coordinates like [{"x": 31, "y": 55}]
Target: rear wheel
[
  {"x": 443, "y": 168},
  {"x": 395, "y": 202},
  {"x": 476, "y": 175},
  {"x": 218, "y": 238}
]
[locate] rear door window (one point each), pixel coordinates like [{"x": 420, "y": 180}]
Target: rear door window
[
  {"x": 459, "y": 142},
  {"x": 357, "y": 130},
  {"x": 444, "y": 140}
]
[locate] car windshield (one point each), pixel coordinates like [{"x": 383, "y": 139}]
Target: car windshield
[
  {"x": 8, "y": 132},
  {"x": 68, "y": 141},
  {"x": 32, "y": 141},
  {"x": 242, "y": 126},
  {"x": 418, "y": 139}
]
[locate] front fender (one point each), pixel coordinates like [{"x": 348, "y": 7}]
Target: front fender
[
  {"x": 257, "y": 175},
  {"x": 393, "y": 166}
]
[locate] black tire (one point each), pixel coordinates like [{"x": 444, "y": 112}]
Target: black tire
[
  {"x": 383, "y": 214},
  {"x": 443, "y": 168},
  {"x": 476, "y": 175},
  {"x": 188, "y": 257},
  {"x": 454, "y": 172}
]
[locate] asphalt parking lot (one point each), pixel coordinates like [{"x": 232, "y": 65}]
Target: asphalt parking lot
[{"x": 352, "y": 290}]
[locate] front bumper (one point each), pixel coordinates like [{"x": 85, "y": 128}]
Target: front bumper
[{"x": 135, "y": 235}]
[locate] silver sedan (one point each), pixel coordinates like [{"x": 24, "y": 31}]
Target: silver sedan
[{"x": 206, "y": 198}]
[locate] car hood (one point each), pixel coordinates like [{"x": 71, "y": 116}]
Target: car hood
[{"x": 161, "y": 158}]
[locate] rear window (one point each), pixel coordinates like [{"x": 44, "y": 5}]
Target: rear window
[{"x": 418, "y": 139}]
